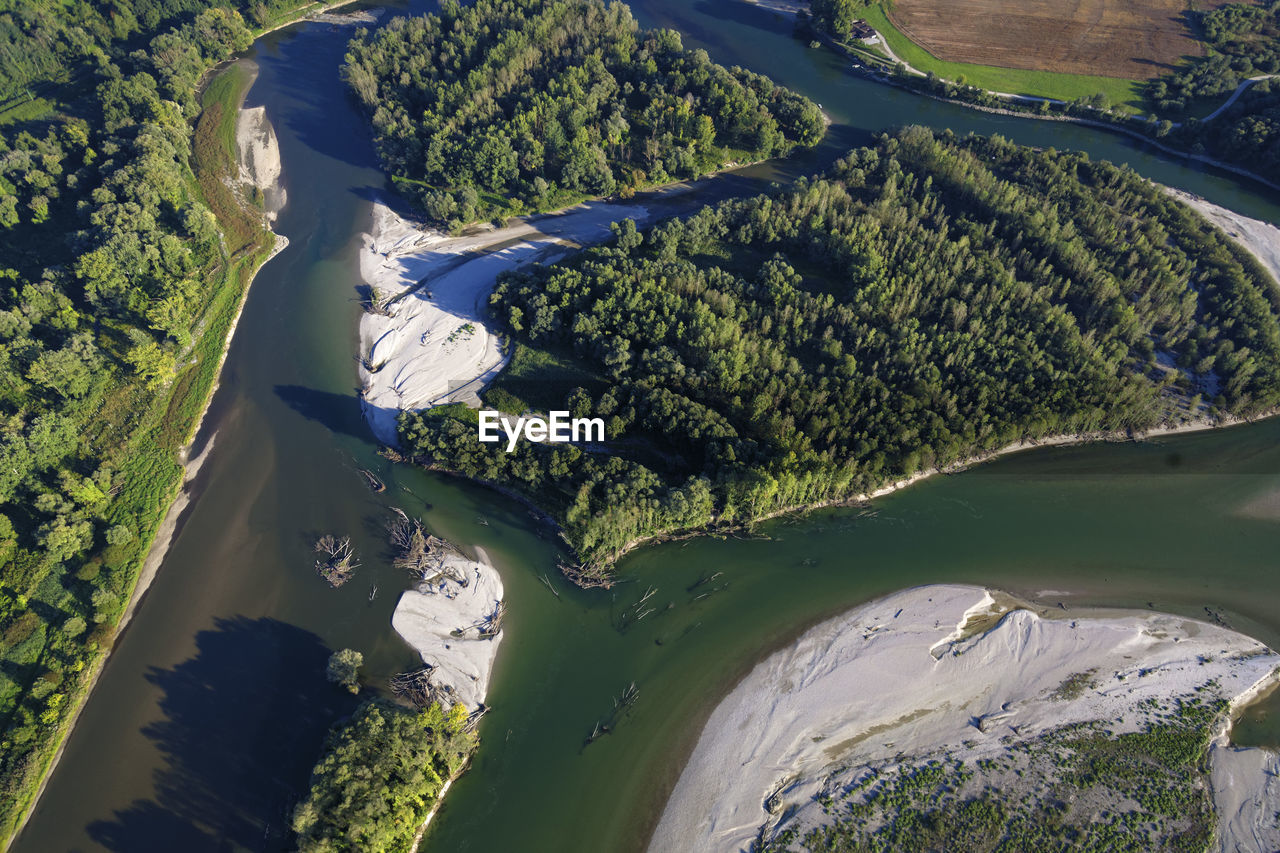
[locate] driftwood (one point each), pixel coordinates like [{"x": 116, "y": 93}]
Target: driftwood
[
  {"x": 337, "y": 563},
  {"x": 546, "y": 580},
  {"x": 372, "y": 481},
  {"x": 370, "y": 366},
  {"x": 473, "y": 719},
  {"x": 422, "y": 555},
  {"x": 637, "y": 611},
  {"x": 705, "y": 579},
  {"x": 417, "y": 687},
  {"x": 491, "y": 625},
  {"x": 379, "y": 302},
  {"x": 587, "y": 576},
  {"x": 620, "y": 706},
  {"x": 487, "y": 627}
]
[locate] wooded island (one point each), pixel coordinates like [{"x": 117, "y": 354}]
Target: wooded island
[
  {"x": 515, "y": 106},
  {"x": 930, "y": 299}
]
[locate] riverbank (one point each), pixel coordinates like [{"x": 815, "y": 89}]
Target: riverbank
[
  {"x": 935, "y": 670},
  {"x": 427, "y": 339},
  {"x": 1196, "y": 425},
  {"x": 212, "y": 333},
  {"x": 1253, "y": 236},
  {"x": 911, "y": 78},
  {"x": 1259, "y": 239},
  {"x": 260, "y": 169}
]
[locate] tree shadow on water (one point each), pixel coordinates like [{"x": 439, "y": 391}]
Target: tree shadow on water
[
  {"x": 244, "y": 720},
  {"x": 340, "y": 413}
]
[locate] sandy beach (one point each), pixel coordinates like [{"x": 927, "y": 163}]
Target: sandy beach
[
  {"x": 441, "y": 620},
  {"x": 1246, "y": 790},
  {"x": 933, "y": 669},
  {"x": 260, "y": 165},
  {"x": 435, "y": 344},
  {"x": 1260, "y": 239}
]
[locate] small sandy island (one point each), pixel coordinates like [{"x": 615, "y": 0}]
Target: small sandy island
[
  {"x": 959, "y": 672},
  {"x": 260, "y": 165},
  {"x": 453, "y": 620}
]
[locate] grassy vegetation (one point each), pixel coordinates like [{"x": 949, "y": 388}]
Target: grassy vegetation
[
  {"x": 25, "y": 109},
  {"x": 1079, "y": 788},
  {"x": 214, "y": 157},
  {"x": 1125, "y": 94}
]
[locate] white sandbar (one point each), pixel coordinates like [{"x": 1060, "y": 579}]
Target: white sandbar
[
  {"x": 437, "y": 345},
  {"x": 895, "y": 679},
  {"x": 427, "y": 617},
  {"x": 1260, "y": 239}
]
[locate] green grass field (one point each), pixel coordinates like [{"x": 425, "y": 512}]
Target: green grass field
[{"x": 1123, "y": 94}]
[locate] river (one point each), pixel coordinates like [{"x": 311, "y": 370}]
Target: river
[{"x": 214, "y": 705}]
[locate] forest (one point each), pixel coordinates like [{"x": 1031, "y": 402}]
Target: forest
[
  {"x": 514, "y": 106},
  {"x": 1244, "y": 42},
  {"x": 379, "y": 777},
  {"x": 930, "y": 299},
  {"x": 119, "y": 247}
]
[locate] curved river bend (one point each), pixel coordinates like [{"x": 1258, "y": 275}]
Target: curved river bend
[{"x": 213, "y": 706}]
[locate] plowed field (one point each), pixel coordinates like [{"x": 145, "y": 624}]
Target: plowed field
[{"x": 1132, "y": 39}]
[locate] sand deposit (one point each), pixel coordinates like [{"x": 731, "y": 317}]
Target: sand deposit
[
  {"x": 435, "y": 344},
  {"x": 441, "y": 619},
  {"x": 1246, "y": 790},
  {"x": 260, "y": 166},
  {"x": 1260, "y": 239},
  {"x": 939, "y": 668}
]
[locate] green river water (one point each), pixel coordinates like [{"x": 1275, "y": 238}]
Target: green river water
[{"x": 213, "y": 706}]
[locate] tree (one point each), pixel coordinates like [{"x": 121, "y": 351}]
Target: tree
[
  {"x": 344, "y": 669},
  {"x": 927, "y": 300},
  {"x": 150, "y": 361},
  {"x": 379, "y": 777},
  {"x": 532, "y": 120},
  {"x": 67, "y": 371},
  {"x": 835, "y": 16}
]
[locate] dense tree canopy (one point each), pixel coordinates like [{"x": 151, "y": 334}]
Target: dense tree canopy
[
  {"x": 379, "y": 778},
  {"x": 931, "y": 298},
  {"x": 1245, "y": 42},
  {"x": 510, "y": 105},
  {"x": 43, "y": 42}
]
